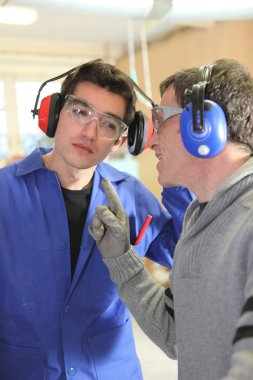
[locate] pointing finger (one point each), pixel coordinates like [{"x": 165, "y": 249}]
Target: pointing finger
[{"x": 113, "y": 199}]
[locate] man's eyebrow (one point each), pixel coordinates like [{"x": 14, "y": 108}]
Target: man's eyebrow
[
  {"x": 82, "y": 101},
  {"x": 113, "y": 115}
]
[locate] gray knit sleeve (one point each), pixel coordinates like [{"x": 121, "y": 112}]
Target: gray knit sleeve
[{"x": 145, "y": 299}]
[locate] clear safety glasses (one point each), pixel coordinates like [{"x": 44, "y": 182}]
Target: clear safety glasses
[
  {"x": 109, "y": 127},
  {"x": 161, "y": 114}
]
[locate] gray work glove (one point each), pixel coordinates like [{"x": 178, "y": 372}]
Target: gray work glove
[{"x": 110, "y": 225}]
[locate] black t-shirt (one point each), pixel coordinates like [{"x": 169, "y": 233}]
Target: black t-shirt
[{"x": 77, "y": 204}]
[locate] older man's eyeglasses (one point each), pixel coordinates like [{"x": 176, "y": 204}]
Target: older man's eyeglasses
[
  {"x": 109, "y": 126},
  {"x": 160, "y": 114}
]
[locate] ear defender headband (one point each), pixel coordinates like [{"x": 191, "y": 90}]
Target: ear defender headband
[
  {"x": 203, "y": 122},
  {"x": 140, "y": 129}
]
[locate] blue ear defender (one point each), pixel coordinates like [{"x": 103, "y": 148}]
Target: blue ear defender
[
  {"x": 203, "y": 122},
  {"x": 212, "y": 139}
]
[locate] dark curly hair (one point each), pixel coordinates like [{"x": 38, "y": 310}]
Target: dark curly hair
[{"x": 107, "y": 76}]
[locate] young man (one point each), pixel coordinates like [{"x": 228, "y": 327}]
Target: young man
[
  {"x": 205, "y": 318},
  {"x": 61, "y": 317}
]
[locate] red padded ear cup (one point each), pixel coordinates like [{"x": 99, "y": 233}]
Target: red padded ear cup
[
  {"x": 139, "y": 133},
  {"x": 48, "y": 113},
  {"x": 149, "y": 130}
]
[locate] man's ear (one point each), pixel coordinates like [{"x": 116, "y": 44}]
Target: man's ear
[{"x": 118, "y": 143}]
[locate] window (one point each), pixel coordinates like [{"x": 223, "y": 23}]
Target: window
[
  {"x": 30, "y": 134},
  {"x": 3, "y": 124}
]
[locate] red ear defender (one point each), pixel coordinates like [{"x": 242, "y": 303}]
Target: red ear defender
[
  {"x": 50, "y": 107},
  {"x": 141, "y": 129},
  {"x": 48, "y": 113},
  {"x": 139, "y": 133},
  {"x": 149, "y": 128}
]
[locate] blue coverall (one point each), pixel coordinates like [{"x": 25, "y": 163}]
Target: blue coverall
[{"x": 53, "y": 327}]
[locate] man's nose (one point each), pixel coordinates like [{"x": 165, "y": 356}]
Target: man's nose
[
  {"x": 90, "y": 128},
  {"x": 153, "y": 141}
]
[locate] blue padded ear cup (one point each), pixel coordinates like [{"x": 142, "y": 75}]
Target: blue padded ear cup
[{"x": 212, "y": 140}]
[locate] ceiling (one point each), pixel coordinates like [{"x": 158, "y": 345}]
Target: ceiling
[
  {"x": 65, "y": 28},
  {"x": 105, "y": 30}
]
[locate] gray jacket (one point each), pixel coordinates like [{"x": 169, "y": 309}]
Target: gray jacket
[{"x": 205, "y": 318}]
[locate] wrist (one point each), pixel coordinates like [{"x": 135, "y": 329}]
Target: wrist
[{"x": 124, "y": 267}]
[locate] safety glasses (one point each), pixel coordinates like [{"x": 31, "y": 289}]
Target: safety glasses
[
  {"x": 109, "y": 126},
  {"x": 160, "y": 114}
]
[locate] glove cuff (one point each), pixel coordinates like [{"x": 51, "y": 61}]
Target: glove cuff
[{"x": 124, "y": 267}]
